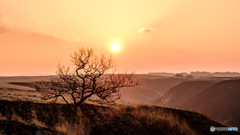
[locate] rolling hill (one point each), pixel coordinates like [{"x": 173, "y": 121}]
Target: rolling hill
[
  {"x": 218, "y": 97},
  {"x": 221, "y": 101},
  {"x": 150, "y": 88},
  {"x": 177, "y": 95},
  {"x": 96, "y": 118}
]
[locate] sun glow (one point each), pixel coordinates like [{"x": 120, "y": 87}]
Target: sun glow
[{"x": 115, "y": 46}]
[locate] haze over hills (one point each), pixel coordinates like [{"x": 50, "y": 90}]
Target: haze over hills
[
  {"x": 199, "y": 74},
  {"x": 216, "y": 96},
  {"x": 219, "y": 99},
  {"x": 180, "y": 93},
  {"x": 5, "y": 82},
  {"x": 151, "y": 87}
]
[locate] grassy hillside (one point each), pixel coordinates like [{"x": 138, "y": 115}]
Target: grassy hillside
[
  {"x": 18, "y": 114},
  {"x": 176, "y": 96},
  {"x": 221, "y": 101},
  {"x": 99, "y": 118}
]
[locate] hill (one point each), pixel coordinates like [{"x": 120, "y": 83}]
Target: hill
[
  {"x": 19, "y": 82},
  {"x": 180, "y": 93},
  {"x": 220, "y": 100},
  {"x": 98, "y": 118},
  {"x": 150, "y": 88},
  {"x": 218, "y": 97},
  {"x": 215, "y": 97}
]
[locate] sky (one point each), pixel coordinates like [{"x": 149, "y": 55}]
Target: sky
[{"x": 153, "y": 35}]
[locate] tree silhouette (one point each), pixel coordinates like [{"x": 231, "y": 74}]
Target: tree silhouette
[{"x": 90, "y": 76}]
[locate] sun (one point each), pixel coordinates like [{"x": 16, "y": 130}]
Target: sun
[{"x": 115, "y": 46}]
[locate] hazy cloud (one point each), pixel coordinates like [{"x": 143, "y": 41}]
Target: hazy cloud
[
  {"x": 41, "y": 36},
  {"x": 2, "y": 18},
  {"x": 147, "y": 30},
  {"x": 77, "y": 39},
  {"x": 64, "y": 38},
  {"x": 3, "y": 24},
  {"x": 38, "y": 20}
]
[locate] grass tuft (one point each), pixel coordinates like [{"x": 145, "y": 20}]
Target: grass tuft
[{"x": 98, "y": 118}]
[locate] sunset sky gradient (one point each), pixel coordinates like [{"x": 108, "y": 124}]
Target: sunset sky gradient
[{"x": 153, "y": 35}]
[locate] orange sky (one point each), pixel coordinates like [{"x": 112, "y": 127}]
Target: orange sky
[{"x": 154, "y": 35}]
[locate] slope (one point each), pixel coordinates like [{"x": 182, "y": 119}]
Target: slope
[
  {"x": 177, "y": 95},
  {"x": 221, "y": 101},
  {"x": 149, "y": 89}
]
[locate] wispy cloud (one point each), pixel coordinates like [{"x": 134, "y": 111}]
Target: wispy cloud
[{"x": 147, "y": 30}]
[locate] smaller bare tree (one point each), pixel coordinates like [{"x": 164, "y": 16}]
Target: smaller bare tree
[{"x": 90, "y": 77}]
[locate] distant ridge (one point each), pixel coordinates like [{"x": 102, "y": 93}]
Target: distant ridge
[
  {"x": 36, "y": 74},
  {"x": 199, "y": 73},
  {"x": 162, "y": 74}
]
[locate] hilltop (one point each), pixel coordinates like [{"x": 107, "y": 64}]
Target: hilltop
[{"x": 98, "y": 118}]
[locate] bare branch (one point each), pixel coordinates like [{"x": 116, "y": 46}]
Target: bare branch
[{"x": 90, "y": 77}]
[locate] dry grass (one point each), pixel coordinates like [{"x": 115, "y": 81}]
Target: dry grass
[
  {"x": 63, "y": 127},
  {"x": 38, "y": 123},
  {"x": 69, "y": 129},
  {"x": 16, "y": 95},
  {"x": 2, "y": 117},
  {"x": 99, "y": 118},
  {"x": 153, "y": 118},
  {"x": 17, "y": 118},
  {"x": 75, "y": 126}
]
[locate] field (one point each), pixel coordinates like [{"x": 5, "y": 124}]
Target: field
[{"x": 23, "y": 112}]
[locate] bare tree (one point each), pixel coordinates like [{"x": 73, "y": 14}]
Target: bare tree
[
  {"x": 90, "y": 76},
  {"x": 189, "y": 77},
  {"x": 179, "y": 75}
]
